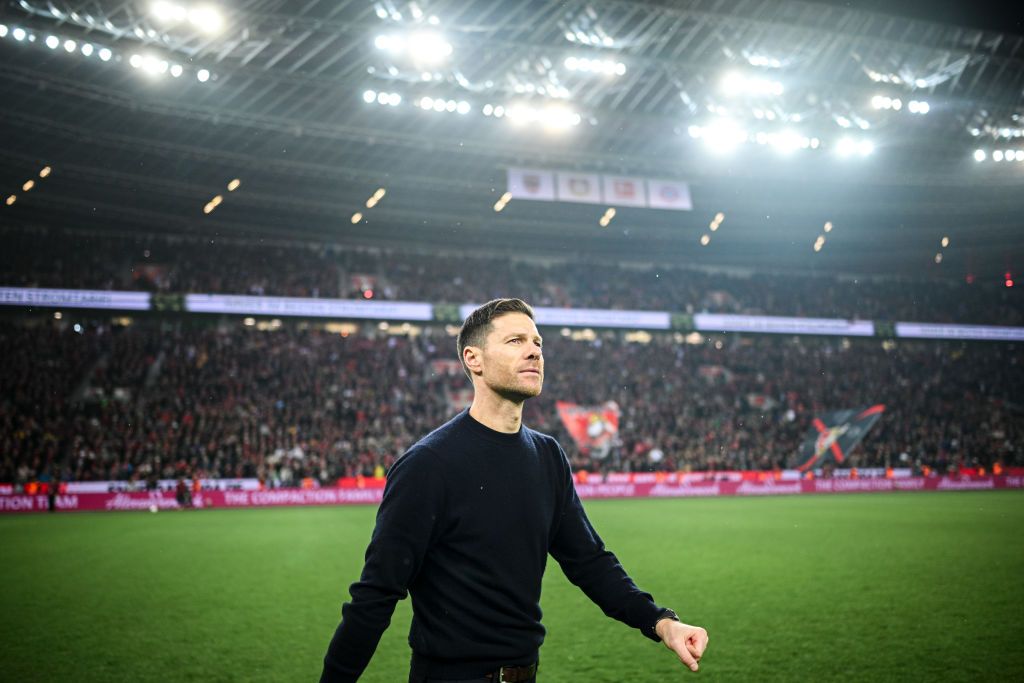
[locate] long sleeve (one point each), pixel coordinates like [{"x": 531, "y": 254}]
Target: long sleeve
[
  {"x": 407, "y": 521},
  {"x": 586, "y": 562}
]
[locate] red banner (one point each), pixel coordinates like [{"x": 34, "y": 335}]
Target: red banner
[
  {"x": 609, "y": 488},
  {"x": 593, "y": 428}
]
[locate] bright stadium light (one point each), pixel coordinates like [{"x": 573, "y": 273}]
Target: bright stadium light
[
  {"x": 19, "y": 34},
  {"x": 3, "y": 30},
  {"x": 723, "y": 135},
  {"x": 203, "y": 75},
  {"x": 979, "y": 155},
  {"x": 105, "y": 54},
  {"x": 462, "y": 107},
  {"x": 428, "y": 47},
  {"x": 426, "y": 103},
  {"x": 944, "y": 242},
  {"x": 52, "y": 42},
  {"x": 70, "y": 46},
  {"x": 369, "y": 96},
  {"x": 394, "y": 99},
  {"x": 168, "y": 11},
  {"x": 846, "y": 147},
  {"x": 135, "y": 61},
  {"x": 865, "y": 147},
  {"x": 176, "y": 70},
  {"x": 206, "y": 19},
  {"x": 87, "y": 49},
  {"x": 997, "y": 155}
]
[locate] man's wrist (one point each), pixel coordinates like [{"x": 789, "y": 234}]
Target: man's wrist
[{"x": 664, "y": 615}]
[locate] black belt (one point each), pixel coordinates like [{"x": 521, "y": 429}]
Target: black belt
[{"x": 513, "y": 674}]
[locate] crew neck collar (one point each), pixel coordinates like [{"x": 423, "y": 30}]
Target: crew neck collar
[{"x": 494, "y": 435}]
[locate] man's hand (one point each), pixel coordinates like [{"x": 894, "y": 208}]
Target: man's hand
[{"x": 688, "y": 642}]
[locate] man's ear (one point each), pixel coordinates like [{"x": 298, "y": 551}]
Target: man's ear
[{"x": 472, "y": 356}]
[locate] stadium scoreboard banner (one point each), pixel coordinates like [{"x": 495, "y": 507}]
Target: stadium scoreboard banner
[
  {"x": 165, "y": 500},
  {"x": 75, "y": 298},
  {"x": 591, "y": 188},
  {"x": 418, "y": 311},
  {"x": 314, "y": 308},
  {"x": 964, "y": 332},
  {"x": 592, "y": 317},
  {"x": 770, "y": 324}
]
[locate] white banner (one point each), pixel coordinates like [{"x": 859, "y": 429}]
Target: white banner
[
  {"x": 972, "y": 332},
  {"x": 74, "y": 298},
  {"x": 624, "y": 191},
  {"x": 319, "y": 308},
  {"x": 669, "y": 194},
  {"x": 592, "y": 317},
  {"x": 531, "y": 183},
  {"x": 579, "y": 187},
  {"x": 722, "y": 322}
]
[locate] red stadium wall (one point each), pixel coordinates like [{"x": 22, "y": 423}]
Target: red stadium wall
[{"x": 164, "y": 500}]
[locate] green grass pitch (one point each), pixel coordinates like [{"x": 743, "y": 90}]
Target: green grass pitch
[{"x": 905, "y": 586}]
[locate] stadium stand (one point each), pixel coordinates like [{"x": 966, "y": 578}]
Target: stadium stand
[
  {"x": 72, "y": 259},
  {"x": 113, "y": 402}
]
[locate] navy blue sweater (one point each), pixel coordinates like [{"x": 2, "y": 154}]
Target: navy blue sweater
[{"x": 468, "y": 518}]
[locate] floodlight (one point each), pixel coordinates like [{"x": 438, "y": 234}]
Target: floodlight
[
  {"x": 19, "y": 34},
  {"x": 369, "y": 96},
  {"x": 87, "y": 49},
  {"x": 439, "y": 104},
  {"x": 451, "y": 105},
  {"x": 865, "y": 147},
  {"x": 168, "y": 11},
  {"x": 3, "y": 30},
  {"x": 487, "y": 110},
  {"x": 846, "y": 147},
  {"x": 429, "y": 47},
  {"x": 135, "y": 61},
  {"x": 52, "y": 42},
  {"x": 203, "y": 75},
  {"x": 70, "y": 46},
  {"x": 206, "y": 19},
  {"x": 394, "y": 99},
  {"x": 723, "y": 135},
  {"x": 997, "y": 155},
  {"x": 382, "y": 98},
  {"x": 426, "y": 103},
  {"x": 462, "y": 107},
  {"x": 979, "y": 155},
  {"x": 176, "y": 70}
]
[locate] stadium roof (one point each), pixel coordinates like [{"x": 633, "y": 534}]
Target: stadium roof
[{"x": 315, "y": 105}]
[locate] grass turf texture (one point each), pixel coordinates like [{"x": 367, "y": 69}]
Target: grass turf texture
[{"x": 919, "y": 586}]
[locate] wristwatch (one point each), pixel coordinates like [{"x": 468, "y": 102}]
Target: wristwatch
[{"x": 664, "y": 614}]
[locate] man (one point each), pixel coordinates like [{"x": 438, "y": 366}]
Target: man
[{"x": 468, "y": 518}]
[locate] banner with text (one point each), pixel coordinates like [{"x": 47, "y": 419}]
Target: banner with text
[
  {"x": 592, "y": 188},
  {"x": 164, "y": 501},
  {"x": 74, "y": 298}
]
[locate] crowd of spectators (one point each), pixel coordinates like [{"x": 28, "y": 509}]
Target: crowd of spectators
[
  {"x": 180, "y": 264},
  {"x": 109, "y": 402}
]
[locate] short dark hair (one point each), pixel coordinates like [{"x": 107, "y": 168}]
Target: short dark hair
[{"x": 478, "y": 324}]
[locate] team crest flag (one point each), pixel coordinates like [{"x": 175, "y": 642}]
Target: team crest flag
[
  {"x": 593, "y": 428},
  {"x": 833, "y": 435}
]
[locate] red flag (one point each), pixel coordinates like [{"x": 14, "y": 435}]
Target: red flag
[{"x": 592, "y": 427}]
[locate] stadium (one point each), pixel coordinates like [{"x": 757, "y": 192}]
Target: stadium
[{"x": 773, "y": 247}]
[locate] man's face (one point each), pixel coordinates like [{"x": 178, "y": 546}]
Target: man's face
[{"x": 511, "y": 361}]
